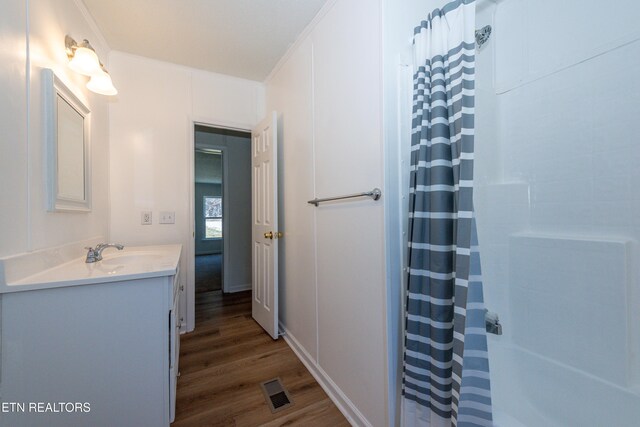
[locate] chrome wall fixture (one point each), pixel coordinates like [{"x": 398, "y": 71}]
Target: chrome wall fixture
[
  {"x": 482, "y": 35},
  {"x": 84, "y": 60},
  {"x": 374, "y": 194},
  {"x": 492, "y": 323}
]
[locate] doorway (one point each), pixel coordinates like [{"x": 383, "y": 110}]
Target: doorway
[
  {"x": 221, "y": 210},
  {"x": 208, "y": 209}
]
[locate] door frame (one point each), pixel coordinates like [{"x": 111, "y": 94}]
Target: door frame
[{"x": 190, "y": 251}]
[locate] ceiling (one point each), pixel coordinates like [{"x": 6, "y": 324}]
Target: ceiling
[{"x": 242, "y": 38}]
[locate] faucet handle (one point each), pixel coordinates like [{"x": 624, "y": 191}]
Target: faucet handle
[{"x": 91, "y": 255}]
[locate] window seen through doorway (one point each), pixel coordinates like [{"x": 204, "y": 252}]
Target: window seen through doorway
[{"x": 212, "y": 217}]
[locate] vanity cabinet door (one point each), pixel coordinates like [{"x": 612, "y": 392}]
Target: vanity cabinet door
[
  {"x": 174, "y": 348},
  {"x": 91, "y": 353}
]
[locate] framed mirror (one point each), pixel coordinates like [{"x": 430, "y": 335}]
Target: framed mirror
[{"x": 67, "y": 125}]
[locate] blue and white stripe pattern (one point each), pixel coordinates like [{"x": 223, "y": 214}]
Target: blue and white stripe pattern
[{"x": 446, "y": 369}]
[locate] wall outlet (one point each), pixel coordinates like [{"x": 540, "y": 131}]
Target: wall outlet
[
  {"x": 167, "y": 217},
  {"x": 146, "y": 218}
]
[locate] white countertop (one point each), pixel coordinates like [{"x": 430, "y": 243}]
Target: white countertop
[{"x": 131, "y": 263}]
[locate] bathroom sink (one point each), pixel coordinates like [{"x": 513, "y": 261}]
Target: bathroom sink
[
  {"x": 66, "y": 266},
  {"x": 131, "y": 258}
]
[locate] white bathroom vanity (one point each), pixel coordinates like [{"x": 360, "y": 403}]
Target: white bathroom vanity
[{"x": 102, "y": 336}]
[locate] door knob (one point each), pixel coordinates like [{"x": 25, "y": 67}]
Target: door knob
[{"x": 272, "y": 235}]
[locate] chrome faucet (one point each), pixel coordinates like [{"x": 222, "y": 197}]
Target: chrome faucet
[{"x": 95, "y": 254}]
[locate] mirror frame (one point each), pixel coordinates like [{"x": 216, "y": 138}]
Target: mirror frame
[{"x": 54, "y": 88}]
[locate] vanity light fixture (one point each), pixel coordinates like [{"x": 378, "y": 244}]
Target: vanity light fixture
[
  {"x": 101, "y": 83},
  {"x": 84, "y": 60}
]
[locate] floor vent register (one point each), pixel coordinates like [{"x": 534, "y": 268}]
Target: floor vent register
[{"x": 276, "y": 395}]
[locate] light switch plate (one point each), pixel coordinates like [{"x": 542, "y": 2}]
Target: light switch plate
[
  {"x": 167, "y": 217},
  {"x": 146, "y": 218}
]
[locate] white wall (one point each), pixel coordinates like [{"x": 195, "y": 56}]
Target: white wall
[
  {"x": 332, "y": 271},
  {"x": 151, "y": 130},
  {"x": 14, "y": 226},
  {"x": 290, "y": 92},
  {"x": 25, "y": 224}
]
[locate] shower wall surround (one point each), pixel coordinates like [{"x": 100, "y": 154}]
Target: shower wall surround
[{"x": 558, "y": 216}]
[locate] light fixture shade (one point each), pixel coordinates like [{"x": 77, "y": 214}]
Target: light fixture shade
[
  {"x": 101, "y": 83},
  {"x": 85, "y": 61}
]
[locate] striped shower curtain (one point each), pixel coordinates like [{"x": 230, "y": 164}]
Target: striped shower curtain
[{"x": 446, "y": 369}]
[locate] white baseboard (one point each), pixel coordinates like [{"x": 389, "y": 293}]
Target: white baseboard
[
  {"x": 239, "y": 288},
  {"x": 348, "y": 409}
]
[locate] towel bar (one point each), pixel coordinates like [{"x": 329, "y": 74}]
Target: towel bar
[{"x": 374, "y": 194}]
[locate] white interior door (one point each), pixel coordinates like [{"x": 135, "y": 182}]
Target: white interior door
[{"x": 264, "y": 188}]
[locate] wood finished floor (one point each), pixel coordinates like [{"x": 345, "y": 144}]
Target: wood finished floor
[
  {"x": 208, "y": 273},
  {"x": 223, "y": 362}
]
